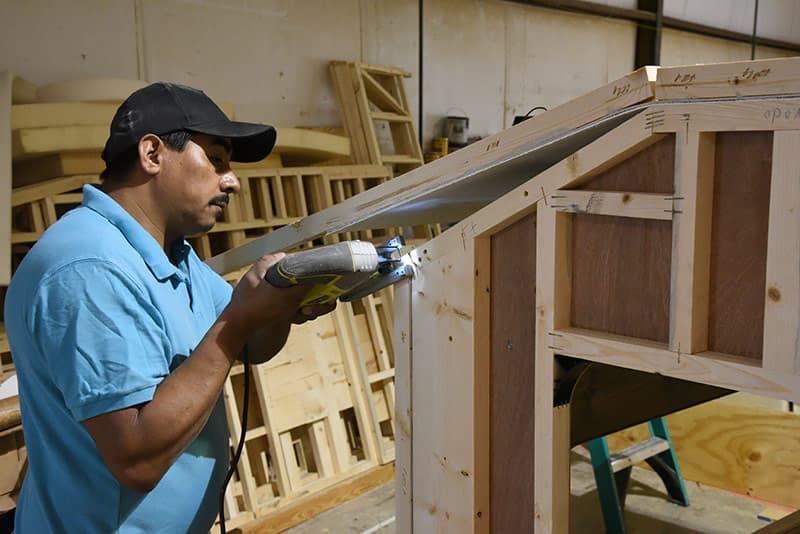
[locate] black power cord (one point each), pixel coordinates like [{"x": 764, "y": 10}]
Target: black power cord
[{"x": 240, "y": 446}]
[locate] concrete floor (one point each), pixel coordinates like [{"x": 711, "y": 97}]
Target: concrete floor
[{"x": 647, "y": 511}]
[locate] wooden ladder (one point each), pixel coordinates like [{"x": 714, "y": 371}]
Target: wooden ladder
[{"x": 372, "y": 93}]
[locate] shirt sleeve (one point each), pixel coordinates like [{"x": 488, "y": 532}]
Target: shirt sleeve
[{"x": 103, "y": 340}]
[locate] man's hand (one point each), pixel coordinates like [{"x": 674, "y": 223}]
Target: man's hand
[
  {"x": 256, "y": 303},
  {"x": 273, "y": 325},
  {"x": 312, "y": 311}
]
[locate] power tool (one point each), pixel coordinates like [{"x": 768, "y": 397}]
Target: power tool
[{"x": 346, "y": 271}]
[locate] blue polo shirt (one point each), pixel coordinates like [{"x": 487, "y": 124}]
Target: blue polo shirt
[{"x": 97, "y": 316}]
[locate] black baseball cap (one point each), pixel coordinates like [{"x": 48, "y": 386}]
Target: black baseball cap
[{"x": 162, "y": 107}]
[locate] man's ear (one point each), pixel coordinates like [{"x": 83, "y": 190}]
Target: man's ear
[{"x": 151, "y": 154}]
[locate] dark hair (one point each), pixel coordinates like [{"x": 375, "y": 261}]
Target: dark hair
[{"x": 123, "y": 164}]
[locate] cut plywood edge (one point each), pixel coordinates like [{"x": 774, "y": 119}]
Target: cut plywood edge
[
  {"x": 273, "y": 161},
  {"x": 43, "y": 115},
  {"x": 6, "y": 91},
  {"x": 99, "y": 90},
  {"x": 57, "y": 114},
  {"x": 42, "y": 168},
  {"x": 396, "y": 195},
  {"x": 734, "y": 79},
  {"x": 28, "y": 142},
  {"x": 39, "y": 141},
  {"x": 311, "y": 143}
]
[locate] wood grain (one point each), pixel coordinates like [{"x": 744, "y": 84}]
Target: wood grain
[
  {"x": 742, "y": 448},
  {"x": 621, "y": 267},
  {"x": 513, "y": 297},
  {"x": 621, "y": 276},
  {"x": 742, "y": 168},
  {"x": 648, "y": 171}
]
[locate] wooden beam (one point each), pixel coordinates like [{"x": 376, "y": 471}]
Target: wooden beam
[
  {"x": 306, "y": 508},
  {"x": 785, "y": 525},
  {"x": 782, "y": 301},
  {"x": 705, "y": 367},
  {"x": 777, "y": 76},
  {"x": 31, "y": 193},
  {"x": 635, "y": 205},
  {"x": 6, "y": 80},
  {"x": 482, "y": 388},
  {"x": 404, "y": 432},
  {"x": 691, "y": 257},
  {"x": 551, "y": 514},
  {"x": 380, "y": 96},
  {"x": 743, "y": 114},
  {"x": 442, "y": 378}
]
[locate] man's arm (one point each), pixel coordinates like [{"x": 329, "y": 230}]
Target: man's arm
[{"x": 139, "y": 444}]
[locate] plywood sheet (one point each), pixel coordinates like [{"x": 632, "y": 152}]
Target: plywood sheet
[
  {"x": 621, "y": 276},
  {"x": 743, "y": 164},
  {"x": 650, "y": 171},
  {"x": 513, "y": 359},
  {"x": 732, "y": 445},
  {"x": 621, "y": 266}
]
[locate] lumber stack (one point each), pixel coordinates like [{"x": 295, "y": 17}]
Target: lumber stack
[{"x": 323, "y": 410}]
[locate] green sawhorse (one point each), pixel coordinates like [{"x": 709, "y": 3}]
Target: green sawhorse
[{"x": 612, "y": 472}]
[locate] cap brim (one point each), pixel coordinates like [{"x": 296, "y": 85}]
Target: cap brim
[{"x": 251, "y": 142}]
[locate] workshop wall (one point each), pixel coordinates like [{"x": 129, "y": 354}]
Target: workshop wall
[{"x": 487, "y": 59}]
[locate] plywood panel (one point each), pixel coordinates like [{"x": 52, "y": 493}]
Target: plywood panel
[
  {"x": 649, "y": 171},
  {"x": 621, "y": 276},
  {"x": 513, "y": 301},
  {"x": 735, "y": 446},
  {"x": 743, "y": 164},
  {"x": 621, "y": 266}
]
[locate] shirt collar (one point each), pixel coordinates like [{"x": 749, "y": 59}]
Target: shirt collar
[{"x": 144, "y": 243}]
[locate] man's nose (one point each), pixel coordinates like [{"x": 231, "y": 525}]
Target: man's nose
[{"x": 230, "y": 183}]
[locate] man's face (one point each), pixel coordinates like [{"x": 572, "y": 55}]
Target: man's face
[{"x": 198, "y": 183}]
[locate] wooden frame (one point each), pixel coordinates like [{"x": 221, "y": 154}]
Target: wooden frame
[{"x": 562, "y": 175}]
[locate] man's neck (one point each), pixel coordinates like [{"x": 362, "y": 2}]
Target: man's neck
[{"x": 134, "y": 199}]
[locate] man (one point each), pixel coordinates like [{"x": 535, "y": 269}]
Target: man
[{"x": 122, "y": 338}]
